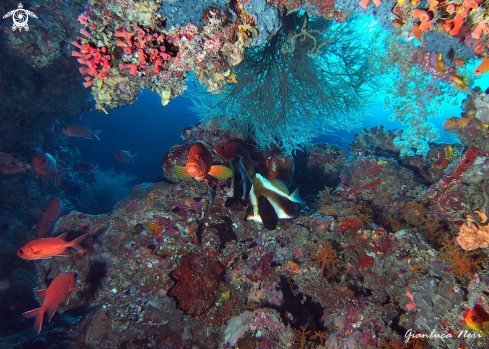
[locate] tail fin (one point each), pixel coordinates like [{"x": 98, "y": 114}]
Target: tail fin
[
  {"x": 95, "y": 134},
  {"x": 38, "y": 314},
  {"x": 60, "y": 174},
  {"x": 75, "y": 243},
  {"x": 295, "y": 196}
]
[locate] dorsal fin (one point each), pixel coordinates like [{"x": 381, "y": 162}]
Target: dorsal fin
[
  {"x": 62, "y": 236},
  {"x": 277, "y": 183}
]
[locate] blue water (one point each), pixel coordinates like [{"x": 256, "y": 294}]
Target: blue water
[{"x": 145, "y": 127}]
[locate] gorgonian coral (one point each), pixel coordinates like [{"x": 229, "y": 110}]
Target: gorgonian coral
[{"x": 313, "y": 74}]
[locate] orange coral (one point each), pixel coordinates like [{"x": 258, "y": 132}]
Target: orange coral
[
  {"x": 327, "y": 257},
  {"x": 472, "y": 235},
  {"x": 154, "y": 227},
  {"x": 460, "y": 263},
  {"x": 455, "y": 122}
]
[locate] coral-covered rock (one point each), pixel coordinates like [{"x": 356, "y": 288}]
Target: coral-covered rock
[
  {"x": 196, "y": 283},
  {"x": 317, "y": 167}
]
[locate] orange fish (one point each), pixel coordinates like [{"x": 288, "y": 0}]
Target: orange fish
[
  {"x": 482, "y": 68},
  {"x": 80, "y": 132},
  {"x": 50, "y": 247},
  {"x": 461, "y": 82},
  {"x": 45, "y": 166},
  {"x": 459, "y": 62},
  {"x": 440, "y": 65},
  {"x": 199, "y": 166},
  {"x": 125, "y": 157},
  {"x": 58, "y": 292},
  {"x": 478, "y": 320},
  {"x": 49, "y": 216}
]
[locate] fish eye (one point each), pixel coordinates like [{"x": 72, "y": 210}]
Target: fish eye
[
  {"x": 223, "y": 147},
  {"x": 21, "y": 251},
  {"x": 474, "y": 318}
]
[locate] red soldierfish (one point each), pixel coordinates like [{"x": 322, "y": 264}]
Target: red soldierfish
[
  {"x": 58, "y": 292},
  {"x": 80, "y": 132},
  {"x": 49, "y": 247},
  {"x": 49, "y": 216},
  {"x": 124, "y": 156},
  {"x": 199, "y": 166},
  {"x": 15, "y": 167},
  {"x": 45, "y": 167}
]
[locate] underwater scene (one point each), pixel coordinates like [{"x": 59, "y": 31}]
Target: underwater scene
[{"x": 252, "y": 174}]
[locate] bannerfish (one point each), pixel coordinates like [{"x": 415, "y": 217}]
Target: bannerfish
[
  {"x": 241, "y": 180},
  {"x": 50, "y": 247},
  {"x": 275, "y": 192},
  {"x": 478, "y": 320},
  {"x": 49, "y": 216},
  {"x": 45, "y": 166},
  {"x": 199, "y": 166},
  {"x": 80, "y": 132},
  {"x": 58, "y": 292},
  {"x": 125, "y": 157}
]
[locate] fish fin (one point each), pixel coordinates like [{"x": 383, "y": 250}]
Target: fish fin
[
  {"x": 95, "y": 134},
  {"x": 38, "y": 314},
  {"x": 295, "y": 197},
  {"x": 220, "y": 171},
  {"x": 279, "y": 185},
  {"x": 60, "y": 174},
  {"x": 75, "y": 243},
  {"x": 62, "y": 236},
  {"x": 41, "y": 294},
  {"x": 64, "y": 254},
  {"x": 254, "y": 218},
  {"x": 180, "y": 172},
  {"x": 50, "y": 312}
]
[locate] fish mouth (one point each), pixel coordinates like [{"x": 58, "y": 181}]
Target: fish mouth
[{"x": 195, "y": 170}]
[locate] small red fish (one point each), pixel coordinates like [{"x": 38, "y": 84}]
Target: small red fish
[
  {"x": 50, "y": 247},
  {"x": 124, "y": 156},
  {"x": 49, "y": 216},
  {"x": 58, "y": 292},
  {"x": 483, "y": 67},
  {"x": 228, "y": 150},
  {"x": 478, "y": 320},
  {"x": 80, "y": 132},
  {"x": 199, "y": 166},
  {"x": 87, "y": 167},
  {"x": 7, "y": 158},
  {"x": 45, "y": 167},
  {"x": 15, "y": 167}
]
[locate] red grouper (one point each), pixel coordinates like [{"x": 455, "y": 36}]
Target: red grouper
[
  {"x": 58, "y": 292},
  {"x": 199, "y": 166},
  {"x": 49, "y": 216},
  {"x": 45, "y": 167}
]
